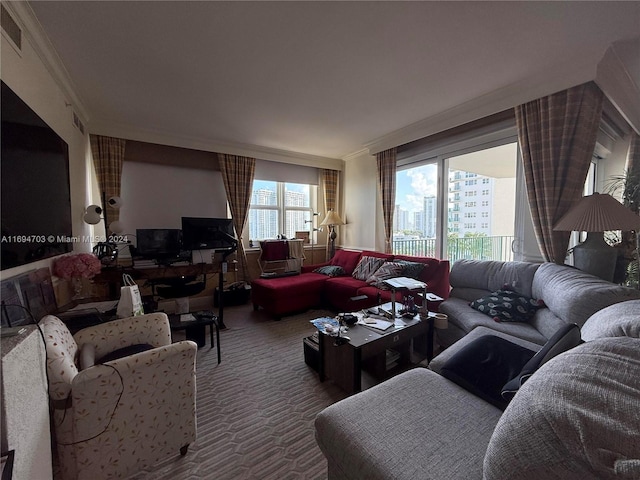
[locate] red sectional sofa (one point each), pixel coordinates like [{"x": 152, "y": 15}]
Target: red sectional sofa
[{"x": 285, "y": 295}]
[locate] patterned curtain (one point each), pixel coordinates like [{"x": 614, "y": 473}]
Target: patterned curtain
[
  {"x": 108, "y": 155},
  {"x": 330, "y": 189},
  {"x": 557, "y": 135},
  {"x": 387, "y": 181},
  {"x": 237, "y": 174}
]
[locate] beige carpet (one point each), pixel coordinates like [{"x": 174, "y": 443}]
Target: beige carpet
[{"x": 256, "y": 409}]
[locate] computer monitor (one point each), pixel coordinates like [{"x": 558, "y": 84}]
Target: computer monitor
[
  {"x": 208, "y": 233},
  {"x": 163, "y": 244}
]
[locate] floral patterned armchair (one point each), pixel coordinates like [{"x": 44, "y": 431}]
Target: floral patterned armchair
[{"x": 114, "y": 417}]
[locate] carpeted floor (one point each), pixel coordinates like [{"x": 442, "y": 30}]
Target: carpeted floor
[{"x": 256, "y": 409}]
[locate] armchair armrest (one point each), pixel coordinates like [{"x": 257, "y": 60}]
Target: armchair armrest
[
  {"x": 157, "y": 382},
  {"x": 152, "y": 329}
]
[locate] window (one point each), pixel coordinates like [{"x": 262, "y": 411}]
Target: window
[
  {"x": 495, "y": 168},
  {"x": 280, "y": 208}
]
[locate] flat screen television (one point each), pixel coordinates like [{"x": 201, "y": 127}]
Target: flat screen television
[
  {"x": 162, "y": 244},
  {"x": 208, "y": 233},
  {"x": 35, "y": 197}
]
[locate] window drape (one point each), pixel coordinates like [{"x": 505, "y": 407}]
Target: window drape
[
  {"x": 237, "y": 175},
  {"x": 108, "y": 155},
  {"x": 557, "y": 135},
  {"x": 386, "y": 163},
  {"x": 330, "y": 190}
]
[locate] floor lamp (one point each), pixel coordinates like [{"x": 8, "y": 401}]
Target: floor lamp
[
  {"x": 596, "y": 214},
  {"x": 312, "y": 233},
  {"x": 331, "y": 220}
]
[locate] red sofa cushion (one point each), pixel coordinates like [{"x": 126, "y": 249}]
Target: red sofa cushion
[
  {"x": 283, "y": 295},
  {"x": 346, "y": 259},
  {"x": 339, "y": 290},
  {"x": 435, "y": 274},
  {"x": 387, "y": 256}
]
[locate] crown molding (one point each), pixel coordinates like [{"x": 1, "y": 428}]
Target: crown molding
[
  {"x": 499, "y": 100},
  {"x": 362, "y": 153},
  {"x": 126, "y": 131},
  {"x": 35, "y": 34},
  {"x": 618, "y": 84}
]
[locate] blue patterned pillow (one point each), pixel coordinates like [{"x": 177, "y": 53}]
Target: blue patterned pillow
[
  {"x": 366, "y": 267},
  {"x": 411, "y": 269},
  {"x": 331, "y": 270},
  {"x": 507, "y": 306}
]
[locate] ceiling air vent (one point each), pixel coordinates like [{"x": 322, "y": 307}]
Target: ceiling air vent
[
  {"x": 11, "y": 28},
  {"x": 78, "y": 123}
]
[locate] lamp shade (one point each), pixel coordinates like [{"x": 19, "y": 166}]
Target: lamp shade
[
  {"x": 115, "y": 202},
  {"x": 332, "y": 218},
  {"x": 92, "y": 214},
  {"x": 599, "y": 212}
]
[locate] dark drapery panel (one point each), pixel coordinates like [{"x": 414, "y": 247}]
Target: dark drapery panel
[
  {"x": 237, "y": 175},
  {"x": 330, "y": 190},
  {"x": 386, "y": 162},
  {"x": 557, "y": 135},
  {"x": 108, "y": 155}
]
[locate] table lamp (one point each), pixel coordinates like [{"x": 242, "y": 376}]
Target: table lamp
[
  {"x": 331, "y": 220},
  {"x": 596, "y": 214}
]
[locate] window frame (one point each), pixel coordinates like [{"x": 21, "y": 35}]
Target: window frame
[
  {"x": 281, "y": 210},
  {"x": 490, "y": 137}
]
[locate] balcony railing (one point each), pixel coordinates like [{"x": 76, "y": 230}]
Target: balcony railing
[{"x": 473, "y": 248}]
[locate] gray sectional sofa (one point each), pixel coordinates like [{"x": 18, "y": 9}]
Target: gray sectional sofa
[
  {"x": 576, "y": 418},
  {"x": 570, "y": 296}
]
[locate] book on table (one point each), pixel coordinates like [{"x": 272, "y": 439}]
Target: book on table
[{"x": 405, "y": 282}]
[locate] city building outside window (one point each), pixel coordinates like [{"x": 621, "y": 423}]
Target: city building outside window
[
  {"x": 421, "y": 230},
  {"x": 280, "y": 209}
]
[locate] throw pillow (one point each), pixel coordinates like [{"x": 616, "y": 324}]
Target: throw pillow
[
  {"x": 482, "y": 366},
  {"x": 507, "y": 306},
  {"x": 567, "y": 337},
  {"x": 411, "y": 269},
  {"x": 366, "y": 267},
  {"x": 330, "y": 270},
  {"x": 125, "y": 352},
  {"x": 387, "y": 270}
]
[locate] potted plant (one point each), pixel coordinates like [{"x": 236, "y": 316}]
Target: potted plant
[{"x": 627, "y": 186}]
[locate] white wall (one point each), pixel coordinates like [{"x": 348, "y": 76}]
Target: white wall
[
  {"x": 362, "y": 208},
  {"x": 158, "y": 196}
]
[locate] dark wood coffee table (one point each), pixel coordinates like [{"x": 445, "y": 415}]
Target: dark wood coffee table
[
  {"x": 195, "y": 330},
  {"x": 343, "y": 363}
]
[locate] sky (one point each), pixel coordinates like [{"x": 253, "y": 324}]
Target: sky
[{"x": 414, "y": 184}]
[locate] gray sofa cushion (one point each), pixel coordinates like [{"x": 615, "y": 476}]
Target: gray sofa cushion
[
  {"x": 568, "y": 423},
  {"x": 619, "y": 320},
  {"x": 415, "y": 425},
  {"x": 574, "y": 295},
  {"x": 464, "y": 317},
  {"x": 493, "y": 275}
]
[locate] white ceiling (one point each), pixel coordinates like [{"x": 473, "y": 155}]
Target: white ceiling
[{"x": 319, "y": 78}]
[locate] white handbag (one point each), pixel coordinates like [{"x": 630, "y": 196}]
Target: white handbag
[{"x": 130, "y": 304}]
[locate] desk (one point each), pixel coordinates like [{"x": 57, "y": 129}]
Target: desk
[{"x": 113, "y": 275}]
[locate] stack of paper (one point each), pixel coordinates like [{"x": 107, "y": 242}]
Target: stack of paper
[{"x": 405, "y": 282}]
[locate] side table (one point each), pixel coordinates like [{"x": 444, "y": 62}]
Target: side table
[{"x": 195, "y": 330}]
